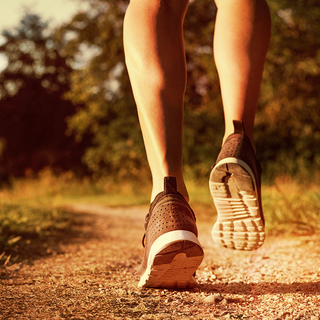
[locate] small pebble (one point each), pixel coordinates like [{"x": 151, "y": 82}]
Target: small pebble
[{"x": 213, "y": 298}]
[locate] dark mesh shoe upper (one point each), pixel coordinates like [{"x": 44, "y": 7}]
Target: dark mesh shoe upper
[
  {"x": 168, "y": 212},
  {"x": 238, "y": 145}
]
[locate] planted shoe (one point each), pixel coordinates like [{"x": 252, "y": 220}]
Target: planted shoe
[
  {"x": 235, "y": 185},
  {"x": 172, "y": 249}
]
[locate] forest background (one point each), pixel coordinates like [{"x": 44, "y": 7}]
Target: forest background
[{"x": 66, "y": 101}]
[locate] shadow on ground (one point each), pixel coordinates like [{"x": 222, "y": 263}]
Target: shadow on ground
[
  {"x": 262, "y": 288},
  {"x": 19, "y": 246}
]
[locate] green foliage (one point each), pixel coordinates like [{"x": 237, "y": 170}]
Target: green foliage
[
  {"x": 102, "y": 87},
  {"x": 32, "y": 55},
  {"x": 25, "y": 226},
  {"x": 47, "y": 187},
  {"x": 291, "y": 207},
  {"x": 288, "y": 131},
  {"x": 32, "y": 111}
]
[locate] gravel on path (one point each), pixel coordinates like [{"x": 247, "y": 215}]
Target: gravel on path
[{"x": 93, "y": 277}]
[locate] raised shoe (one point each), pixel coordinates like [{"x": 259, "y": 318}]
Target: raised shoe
[{"x": 235, "y": 185}]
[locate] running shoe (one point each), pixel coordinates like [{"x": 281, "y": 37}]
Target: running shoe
[
  {"x": 235, "y": 185},
  {"x": 172, "y": 249}
]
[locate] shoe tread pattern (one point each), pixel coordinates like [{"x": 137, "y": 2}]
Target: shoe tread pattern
[{"x": 236, "y": 194}]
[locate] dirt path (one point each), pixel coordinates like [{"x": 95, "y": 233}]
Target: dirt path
[{"x": 92, "y": 277}]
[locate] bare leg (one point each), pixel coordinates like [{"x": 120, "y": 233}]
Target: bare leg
[
  {"x": 155, "y": 58},
  {"x": 241, "y": 41}
]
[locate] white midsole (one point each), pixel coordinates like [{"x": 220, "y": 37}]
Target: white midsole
[
  {"x": 163, "y": 241},
  {"x": 168, "y": 238},
  {"x": 242, "y": 164}
]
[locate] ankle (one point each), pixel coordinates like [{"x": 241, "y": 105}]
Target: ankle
[
  {"x": 247, "y": 132},
  {"x": 158, "y": 186}
]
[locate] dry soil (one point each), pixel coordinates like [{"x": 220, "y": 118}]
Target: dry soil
[{"x": 90, "y": 274}]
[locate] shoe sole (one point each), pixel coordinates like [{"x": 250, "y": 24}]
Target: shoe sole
[
  {"x": 239, "y": 222},
  {"x": 173, "y": 259}
]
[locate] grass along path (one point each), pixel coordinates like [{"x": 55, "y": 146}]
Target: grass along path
[{"x": 86, "y": 271}]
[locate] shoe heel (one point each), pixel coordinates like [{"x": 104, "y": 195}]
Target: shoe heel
[
  {"x": 166, "y": 255},
  {"x": 174, "y": 264}
]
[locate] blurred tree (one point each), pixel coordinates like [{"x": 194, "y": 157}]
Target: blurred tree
[
  {"x": 288, "y": 131},
  {"x": 32, "y": 111},
  {"x": 100, "y": 84}
]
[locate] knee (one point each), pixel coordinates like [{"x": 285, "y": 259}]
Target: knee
[
  {"x": 245, "y": 3},
  {"x": 173, "y": 7},
  {"x": 169, "y": 8},
  {"x": 256, "y": 9}
]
